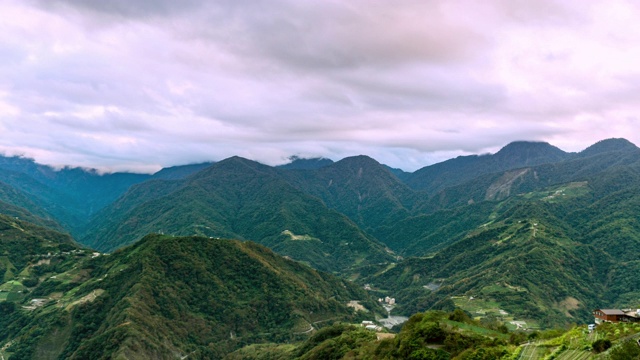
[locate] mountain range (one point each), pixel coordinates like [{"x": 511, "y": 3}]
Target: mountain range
[{"x": 531, "y": 233}]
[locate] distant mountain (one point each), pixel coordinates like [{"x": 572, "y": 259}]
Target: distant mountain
[
  {"x": 72, "y": 195},
  {"x": 456, "y": 171},
  {"x": 525, "y": 153},
  {"x": 608, "y": 145},
  {"x": 12, "y": 197},
  {"x": 300, "y": 163},
  {"x": 238, "y": 198},
  {"x": 19, "y": 213},
  {"x": 458, "y": 209},
  {"x": 360, "y": 188},
  {"x": 167, "y": 298},
  {"x": 181, "y": 171},
  {"x": 69, "y": 195},
  {"x": 399, "y": 173}
]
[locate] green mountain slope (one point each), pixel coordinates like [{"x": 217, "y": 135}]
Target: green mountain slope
[
  {"x": 19, "y": 240},
  {"x": 456, "y": 171},
  {"x": 169, "y": 297},
  {"x": 361, "y": 188},
  {"x": 238, "y": 198},
  {"x": 22, "y": 246},
  {"x": 22, "y": 214},
  {"x": 180, "y": 171},
  {"x": 549, "y": 255},
  {"x": 608, "y": 145},
  {"x": 14, "y": 202},
  {"x": 72, "y": 195},
  {"x": 69, "y": 195},
  {"x": 604, "y": 173}
]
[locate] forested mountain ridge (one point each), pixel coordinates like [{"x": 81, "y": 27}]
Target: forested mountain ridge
[
  {"x": 168, "y": 297},
  {"x": 22, "y": 242},
  {"x": 361, "y": 188},
  {"x": 239, "y": 198},
  {"x": 456, "y": 171},
  {"x": 70, "y": 196}
]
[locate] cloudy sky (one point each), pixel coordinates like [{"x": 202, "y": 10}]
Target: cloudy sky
[{"x": 140, "y": 84}]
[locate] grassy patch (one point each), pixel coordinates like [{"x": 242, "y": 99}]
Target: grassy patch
[
  {"x": 477, "y": 329},
  {"x": 560, "y": 193},
  {"x": 575, "y": 355},
  {"x": 298, "y": 237}
]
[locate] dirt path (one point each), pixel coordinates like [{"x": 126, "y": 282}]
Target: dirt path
[{"x": 311, "y": 328}]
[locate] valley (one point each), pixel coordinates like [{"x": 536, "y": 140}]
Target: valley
[{"x": 207, "y": 260}]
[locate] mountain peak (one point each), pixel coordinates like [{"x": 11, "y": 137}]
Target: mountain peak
[
  {"x": 456, "y": 171},
  {"x": 528, "y": 153},
  {"x": 306, "y": 163},
  {"x": 238, "y": 161},
  {"x": 522, "y": 145},
  {"x": 359, "y": 160},
  {"x": 233, "y": 166},
  {"x": 608, "y": 145}
]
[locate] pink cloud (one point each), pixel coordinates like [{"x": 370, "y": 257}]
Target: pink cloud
[{"x": 138, "y": 85}]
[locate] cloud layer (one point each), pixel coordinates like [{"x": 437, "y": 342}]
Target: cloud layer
[{"x": 135, "y": 85}]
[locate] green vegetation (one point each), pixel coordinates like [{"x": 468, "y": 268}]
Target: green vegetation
[
  {"x": 434, "y": 335},
  {"x": 238, "y": 198},
  {"x": 430, "y": 335},
  {"x": 360, "y": 188},
  {"x": 559, "y": 245},
  {"x": 509, "y": 245},
  {"x": 171, "y": 295},
  {"x": 462, "y": 169}
]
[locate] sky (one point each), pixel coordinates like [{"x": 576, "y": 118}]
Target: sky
[{"x": 136, "y": 85}]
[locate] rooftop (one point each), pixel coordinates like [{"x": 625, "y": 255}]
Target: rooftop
[{"x": 612, "y": 311}]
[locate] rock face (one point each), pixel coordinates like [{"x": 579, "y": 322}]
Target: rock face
[{"x": 501, "y": 189}]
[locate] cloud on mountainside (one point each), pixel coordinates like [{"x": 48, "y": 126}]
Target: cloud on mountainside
[{"x": 141, "y": 84}]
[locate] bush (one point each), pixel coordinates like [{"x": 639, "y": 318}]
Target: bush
[
  {"x": 628, "y": 350},
  {"x": 7, "y": 308},
  {"x": 31, "y": 282},
  {"x": 460, "y": 316},
  {"x": 601, "y": 345}
]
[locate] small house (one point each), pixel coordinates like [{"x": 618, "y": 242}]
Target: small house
[{"x": 613, "y": 315}]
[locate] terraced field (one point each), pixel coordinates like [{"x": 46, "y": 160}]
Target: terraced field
[
  {"x": 533, "y": 352},
  {"x": 480, "y": 308},
  {"x": 575, "y": 355}
]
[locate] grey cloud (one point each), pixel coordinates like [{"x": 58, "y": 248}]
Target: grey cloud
[
  {"x": 335, "y": 35},
  {"x": 128, "y": 8},
  {"x": 139, "y": 84}
]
